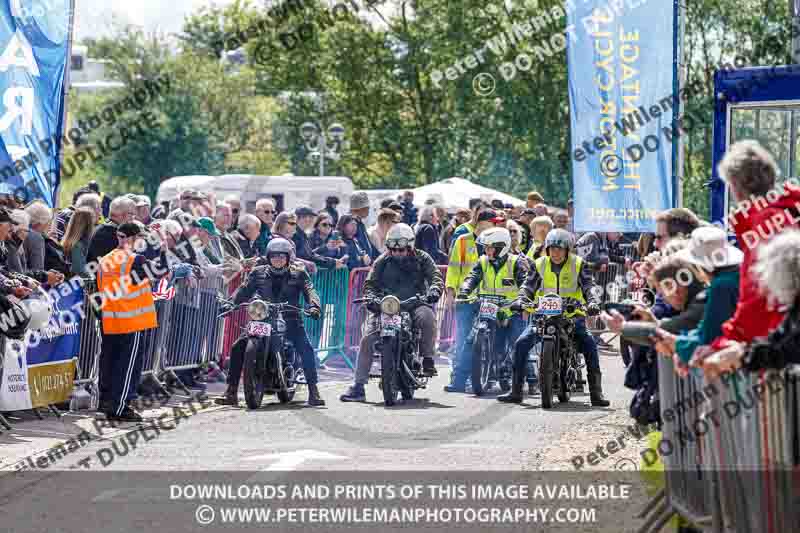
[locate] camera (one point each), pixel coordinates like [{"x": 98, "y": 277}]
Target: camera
[
  {"x": 335, "y": 236},
  {"x": 640, "y": 333},
  {"x": 626, "y": 310}
]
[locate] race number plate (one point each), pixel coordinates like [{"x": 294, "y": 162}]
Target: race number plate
[
  {"x": 489, "y": 310},
  {"x": 549, "y": 305},
  {"x": 259, "y": 329},
  {"x": 390, "y": 324}
]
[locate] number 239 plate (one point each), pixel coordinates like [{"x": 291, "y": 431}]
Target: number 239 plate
[
  {"x": 549, "y": 305},
  {"x": 489, "y": 310},
  {"x": 259, "y": 329},
  {"x": 390, "y": 324}
]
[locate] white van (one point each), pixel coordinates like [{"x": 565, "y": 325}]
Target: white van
[{"x": 288, "y": 191}]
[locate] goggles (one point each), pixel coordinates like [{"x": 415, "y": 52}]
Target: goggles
[{"x": 395, "y": 244}]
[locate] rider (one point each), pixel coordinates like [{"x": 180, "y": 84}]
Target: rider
[
  {"x": 404, "y": 272},
  {"x": 496, "y": 273},
  {"x": 281, "y": 280},
  {"x": 562, "y": 273}
]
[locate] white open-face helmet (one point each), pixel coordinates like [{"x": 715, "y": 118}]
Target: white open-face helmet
[
  {"x": 497, "y": 238},
  {"x": 40, "y": 311},
  {"x": 400, "y": 236}
]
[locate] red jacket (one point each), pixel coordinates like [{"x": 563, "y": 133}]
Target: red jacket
[{"x": 755, "y": 226}]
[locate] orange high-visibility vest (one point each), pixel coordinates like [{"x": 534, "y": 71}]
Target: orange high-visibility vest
[{"x": 127, "y": 307}]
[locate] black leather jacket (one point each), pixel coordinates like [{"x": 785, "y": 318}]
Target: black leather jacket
[
  {"x": 273, "y": 288},
  {"x": 404, "y": 279}
]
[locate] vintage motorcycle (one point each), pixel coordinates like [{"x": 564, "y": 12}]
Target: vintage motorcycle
[
  {"x": 560, "y": 363},
  {"x": 398, "y": 348},
  {"x": 490, "y": 363},
  {"x": 271, "y": 363}
]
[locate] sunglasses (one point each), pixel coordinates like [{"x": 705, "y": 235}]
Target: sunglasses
[
  {"x": 661, "y": 237},
  {"x": 292, "y": 223},
  {"x": 269, "y": 212},
  {"x": 326, "y": 225},
  {"x": 398, "y": 243}
]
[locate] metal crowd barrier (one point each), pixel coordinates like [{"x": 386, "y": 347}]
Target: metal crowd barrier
[
  {"x": 731, "y": 453},
  {"x": 193, "y": 330}
]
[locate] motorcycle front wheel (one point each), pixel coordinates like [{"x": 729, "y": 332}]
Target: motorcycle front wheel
[
  {"x": 563, "y": 389},
  {"x": 389, "y": 371},
  {"x": 286, "y": 394},
  {"x": 546, "y": 364},
  {"x": 481, "y": 364},
  {"x": 253, "y": 382}
]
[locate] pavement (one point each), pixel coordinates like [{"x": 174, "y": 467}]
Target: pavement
[{"x": 436, "y": 432}]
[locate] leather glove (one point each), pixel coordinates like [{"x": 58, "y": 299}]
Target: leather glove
[
  {"x": 314, "y": 312},
  {"x": 433, "y": 297},
  {"x": 593, "y": 309},
  {"x": 516, "y": 306},
  {"x": 226, "y": 308}
]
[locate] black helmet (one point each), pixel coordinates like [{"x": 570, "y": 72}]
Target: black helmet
[{"x": 280, "y": 246}]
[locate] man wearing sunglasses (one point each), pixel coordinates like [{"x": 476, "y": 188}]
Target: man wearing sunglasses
[
  {"x": 402, "y": 271},
  {"x": 265, "y": 211}
]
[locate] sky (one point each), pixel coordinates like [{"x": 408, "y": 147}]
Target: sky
[{"x": 92, "y": 17}]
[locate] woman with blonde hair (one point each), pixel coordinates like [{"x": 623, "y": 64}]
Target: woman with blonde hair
[{"x": 76, "y": 239}]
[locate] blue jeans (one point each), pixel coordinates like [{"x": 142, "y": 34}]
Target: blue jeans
[
  {"x": 586, "y": 345},
  {"x": 504, "y": 337},
  {"x": 465, "y": 316}
]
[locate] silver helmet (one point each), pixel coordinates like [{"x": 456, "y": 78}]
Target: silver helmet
[
  {"x": 280, "y": 246},
  {"x": 560, "y": 238}
]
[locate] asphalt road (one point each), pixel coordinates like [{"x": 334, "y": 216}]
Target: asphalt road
[{"x": 435, "y": 431}]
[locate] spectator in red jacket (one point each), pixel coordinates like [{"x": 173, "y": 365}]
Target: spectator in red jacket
[{"x": 763, "y": 211}]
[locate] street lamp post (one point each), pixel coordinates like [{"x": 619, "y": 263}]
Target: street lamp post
[{"x": 316, "y": 141}]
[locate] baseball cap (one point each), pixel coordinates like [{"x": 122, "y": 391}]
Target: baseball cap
[
  {"x": 208, "y": 225},
  {"x": 529, "y": 211},
  {"x": 489, "y": 214},
  {"x": 304, "y": 211},
  {"x": 129, "y": 229}
]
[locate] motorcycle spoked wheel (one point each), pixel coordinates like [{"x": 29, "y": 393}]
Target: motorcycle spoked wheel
[
  {"x": 565, "y": 384},
  {"x": 389, "y": 371},
  {"x": 481, "y": 364},
  {"x": 286, "y": 394},
  {"x": 253, "y": 380},
  {"x": 546, "y": 365},
  {"x": 407, "y": 387}
]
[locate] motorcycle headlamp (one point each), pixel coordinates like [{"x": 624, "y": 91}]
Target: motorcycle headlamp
[
  {"x": 551, "y": 330},
  {"x": 390, "y": 305},
  {"x": 257, "y": 310}
]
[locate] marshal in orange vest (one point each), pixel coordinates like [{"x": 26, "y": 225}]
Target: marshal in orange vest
[{"x": 127, "y": 307}]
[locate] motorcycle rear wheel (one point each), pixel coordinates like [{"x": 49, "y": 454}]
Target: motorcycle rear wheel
[
  {"x": 253, "y": 382},
  {"x": 563, "y": 390},
  {"x": 546, "y": 363}
]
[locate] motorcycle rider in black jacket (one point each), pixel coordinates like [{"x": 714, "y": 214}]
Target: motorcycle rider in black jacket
[
  {"x": 281, "y": 280},
  {"x": 404, "y": 272}
]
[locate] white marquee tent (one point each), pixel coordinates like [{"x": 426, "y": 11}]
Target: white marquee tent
[{"x": 453, "y": 193}]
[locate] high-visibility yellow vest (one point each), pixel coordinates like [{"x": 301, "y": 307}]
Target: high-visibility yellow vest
[
  {"x": 127, "y": 306},
  {"x": 463, "y": 256},
  {"x": 565, "y": 284},
  {"x": 492, "y": 282},
  {"x": 534, "y": 246}
]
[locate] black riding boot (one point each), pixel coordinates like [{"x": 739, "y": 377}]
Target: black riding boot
[
  {"x": 314, "y": 398},
  {"x": 231, "y": 396},
  {"x": 517, "y": 382},
  {"x": 596, "y": 389}
]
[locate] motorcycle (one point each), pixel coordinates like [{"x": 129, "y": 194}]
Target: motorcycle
[
  {"x": 271, "y": 363},
  {"x": 560, "y": 363},
  {"x": 398, "y": 348},
  {"x": 489, "y": 364}
]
